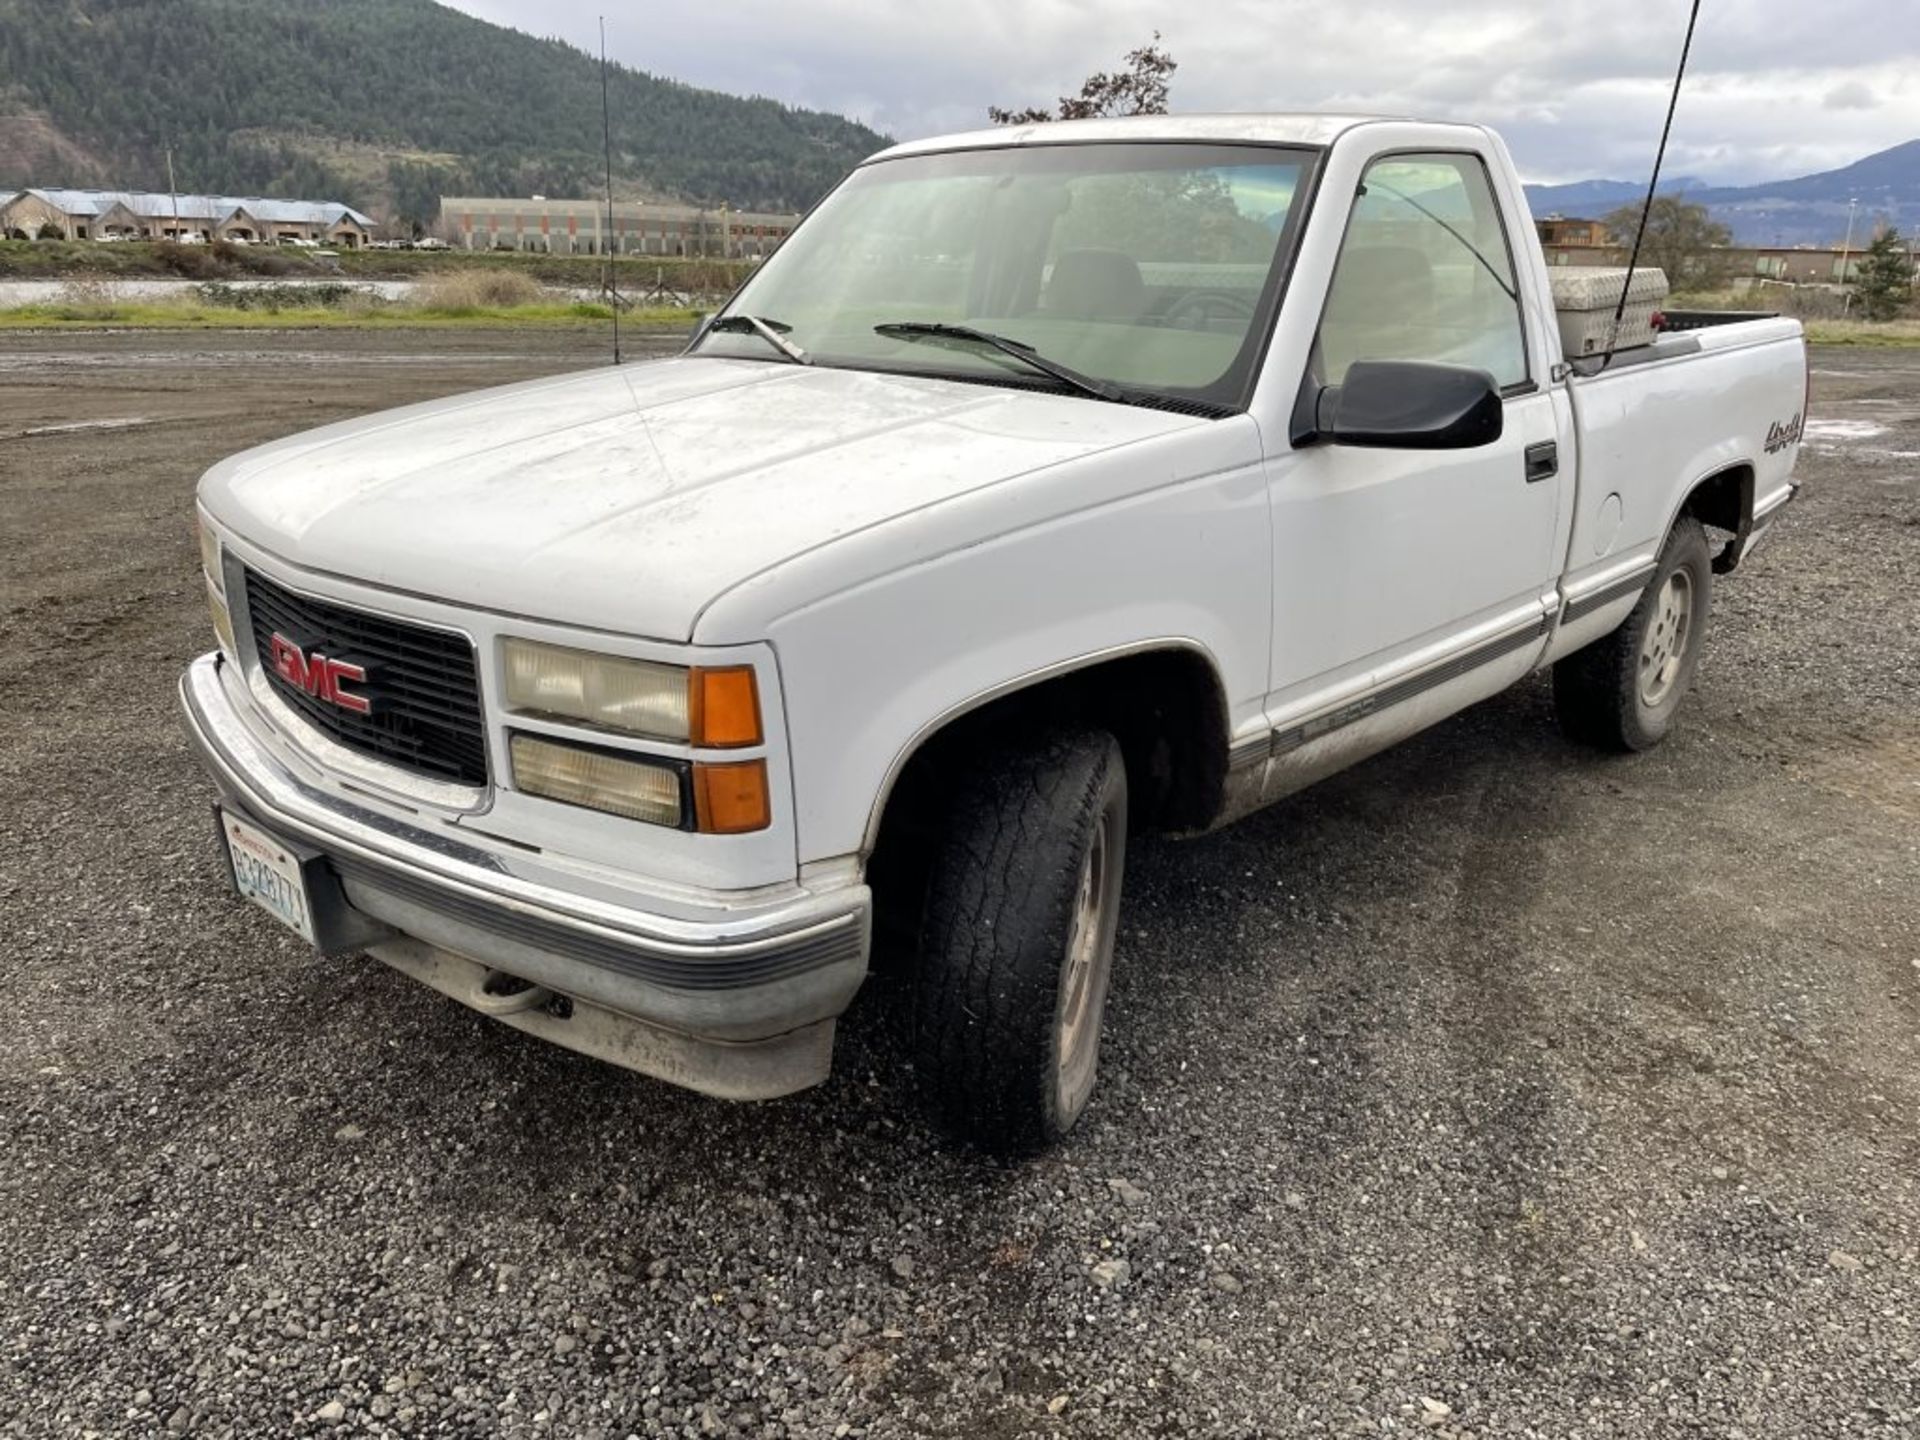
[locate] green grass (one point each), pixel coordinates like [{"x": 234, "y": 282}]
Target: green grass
[
  {"x": 81, "y": 259},
  {"x": 1864, "y": 332},
  {"x": 633, "y": 271},
  {"x": 1821, "y": 329},
  {"x": 162, "y": 316}
]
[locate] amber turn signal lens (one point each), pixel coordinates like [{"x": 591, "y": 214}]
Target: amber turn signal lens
[
  {"x": 726, "y": 708},
  {"x": 731, "y": 799}
]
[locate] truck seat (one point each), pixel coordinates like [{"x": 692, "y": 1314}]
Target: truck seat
[{"x": 1096, "y": 285}]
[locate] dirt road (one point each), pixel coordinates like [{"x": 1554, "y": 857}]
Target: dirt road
[{"x": 1493, "y": 1088}]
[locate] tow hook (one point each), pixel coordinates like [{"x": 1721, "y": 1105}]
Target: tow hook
[{"x": 504, "y": 994}]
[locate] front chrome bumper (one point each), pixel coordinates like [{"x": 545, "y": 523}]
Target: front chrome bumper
[{"x": 735, "y": 998}]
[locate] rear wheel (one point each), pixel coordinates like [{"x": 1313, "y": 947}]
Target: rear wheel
[
  {"x": 1016, "y": 944},
  {"x": 1623, "y": 691}
]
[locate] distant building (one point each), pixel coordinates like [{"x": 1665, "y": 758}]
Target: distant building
[
  {"x": 1569, "y": 241},
  {"x": 1805, "y": 264},
  {"x": 142, "y": 215},
  {"x": 1563, "y": 230},
  {"x": 579, "y": 227},
  {"x": 1737, "y": 265}
]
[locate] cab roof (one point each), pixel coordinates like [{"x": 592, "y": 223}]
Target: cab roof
[{"x": 1293, "y": 129}]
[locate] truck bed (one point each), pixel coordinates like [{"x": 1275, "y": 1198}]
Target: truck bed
[{"x": 1648, "y": 434}]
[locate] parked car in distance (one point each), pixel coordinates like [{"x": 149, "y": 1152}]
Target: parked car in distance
[{"x": 1048, "y": 486}]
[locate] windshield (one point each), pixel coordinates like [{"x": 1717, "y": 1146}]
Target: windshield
[{"x": 1154, "y": 267}]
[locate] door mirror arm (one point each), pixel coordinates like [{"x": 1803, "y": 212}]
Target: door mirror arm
[{"x": 1303, "y": 425}]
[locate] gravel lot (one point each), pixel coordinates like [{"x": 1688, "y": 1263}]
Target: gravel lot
[{"x": 1492, "y": 1088}]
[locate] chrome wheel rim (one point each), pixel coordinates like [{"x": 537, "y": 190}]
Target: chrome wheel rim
[
  {"x": 1663, "y": 649},
  {"x": 1083, "y": 976}
]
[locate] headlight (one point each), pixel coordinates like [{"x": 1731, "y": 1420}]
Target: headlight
[
  {"x": 599, "y": 779},
  {"x": 216, "y": 588},
  {"x": 637, "y": 696},
  {"x": 710, "y": 707},
  {"x": 210, "y": 555}
]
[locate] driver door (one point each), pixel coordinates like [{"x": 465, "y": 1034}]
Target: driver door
[{"x": 1393, "y": 565}]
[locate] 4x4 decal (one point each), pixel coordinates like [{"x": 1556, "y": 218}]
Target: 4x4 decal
[{"x": 1782, "y": 434}]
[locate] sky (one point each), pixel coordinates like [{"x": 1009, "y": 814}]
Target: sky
[{"x": 1775, "y": 88}]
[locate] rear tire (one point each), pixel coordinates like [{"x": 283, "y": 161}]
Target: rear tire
[
  {"x": 1623, "y": 691},
  {"x": 1016, "y": 943}
]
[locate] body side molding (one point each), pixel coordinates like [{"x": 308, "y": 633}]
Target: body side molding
[{"x": 1394, "y": 692}]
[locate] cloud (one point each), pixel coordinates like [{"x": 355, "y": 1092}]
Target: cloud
[
  {"x": 1775, "y": 87},
  {"x": 1852, "y": 95}
]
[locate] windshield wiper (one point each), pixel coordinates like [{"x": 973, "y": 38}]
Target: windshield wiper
[
  {"x": 767, "y": 330},
  {"x": 932, "y": 330}
]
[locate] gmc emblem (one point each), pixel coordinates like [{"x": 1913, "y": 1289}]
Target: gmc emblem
[{"x": 319, "y": 675}]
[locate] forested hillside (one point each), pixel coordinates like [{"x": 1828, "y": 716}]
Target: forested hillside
[{"x": 382, "y": 103}]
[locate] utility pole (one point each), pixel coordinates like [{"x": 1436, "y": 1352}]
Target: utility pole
[
  {"x": 606, "y": 137},
  {"x": 174, "y": 192},
  {"x": 1846, "y": 251}
]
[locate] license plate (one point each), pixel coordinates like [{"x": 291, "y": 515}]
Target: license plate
[{"x": 268, "y": 873}]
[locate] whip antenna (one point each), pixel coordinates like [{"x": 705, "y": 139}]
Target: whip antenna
[
  {"x": 606, "y": 136},
  {"x": 1646, "y": 210}
]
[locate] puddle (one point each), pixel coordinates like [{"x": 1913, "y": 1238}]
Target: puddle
[
  {"x": 120, "y": 424},
  {"x": 1840, "y": 432},
  {"x": 68, "y": 427}
]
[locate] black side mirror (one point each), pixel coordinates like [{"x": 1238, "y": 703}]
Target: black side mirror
[{"x": 1409, "y": 405}]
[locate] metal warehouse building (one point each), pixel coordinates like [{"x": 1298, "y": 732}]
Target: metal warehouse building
[
  {"x": 143, "y": 215},
  {"x": 579, "y": 227}
]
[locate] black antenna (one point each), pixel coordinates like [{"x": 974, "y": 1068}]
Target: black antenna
[
  {"x": 1646, "y": 210},
  {"x": 606, "y": 135}
]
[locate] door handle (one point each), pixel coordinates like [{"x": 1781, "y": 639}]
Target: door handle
[{"x": 1543, "y": 461}]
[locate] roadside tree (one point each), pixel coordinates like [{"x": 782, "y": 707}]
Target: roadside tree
[
  {"x": 1883, "y": 283},
  {"x": 1139, "y": 89},
  {"x": 1683, "y": 240}
]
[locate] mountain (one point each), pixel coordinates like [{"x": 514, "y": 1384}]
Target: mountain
[
  {"x": 381, "y": 103},
  {"x": 1593, "y": 198},
  {"x": 1813, "y": 208},
  {"x": 1810, "y": 210}
]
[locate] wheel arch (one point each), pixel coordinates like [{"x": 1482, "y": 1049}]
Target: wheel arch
[
  {"x": 1175, "y": 744},
  {"x": 1722, "y": 499}
]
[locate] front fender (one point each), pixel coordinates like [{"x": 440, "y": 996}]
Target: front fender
[{"x": 871, "y": 672}]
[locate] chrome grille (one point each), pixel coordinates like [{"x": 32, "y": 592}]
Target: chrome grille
[{"x": 422, "y": 682}]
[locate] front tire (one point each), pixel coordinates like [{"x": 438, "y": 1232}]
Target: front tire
[
  {"x": 1623, "y": 691},
  {"x": 1016, "y": 943}
]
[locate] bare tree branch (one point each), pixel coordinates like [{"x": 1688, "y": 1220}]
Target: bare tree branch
[{"x": 1139, "y": 89}]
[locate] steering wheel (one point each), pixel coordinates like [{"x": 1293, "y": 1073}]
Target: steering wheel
[{"x": 1194, "y": 309}]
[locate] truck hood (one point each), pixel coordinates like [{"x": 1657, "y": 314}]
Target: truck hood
[{"x": 629, "y": 499}]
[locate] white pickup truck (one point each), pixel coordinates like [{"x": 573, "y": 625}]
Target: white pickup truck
[{"x": 1049, "y": 485}]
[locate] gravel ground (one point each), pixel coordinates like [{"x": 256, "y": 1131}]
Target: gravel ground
[{"x": 1490, "y": 1089}]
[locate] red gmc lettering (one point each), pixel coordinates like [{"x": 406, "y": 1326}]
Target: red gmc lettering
[{"x": 319, "y": 676}]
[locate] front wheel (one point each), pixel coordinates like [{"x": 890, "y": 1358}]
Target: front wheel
[
  {"x": 1623, "y": 691},
  {"x": 1016, "y": 943}
]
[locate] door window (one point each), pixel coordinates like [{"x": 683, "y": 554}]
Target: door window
[{"x": 1424, "y": 273}]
